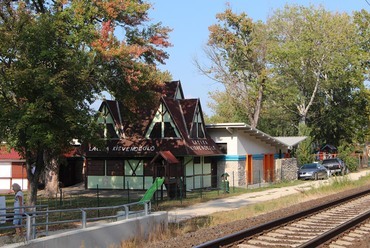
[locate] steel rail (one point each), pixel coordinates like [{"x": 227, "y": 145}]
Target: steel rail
[
  {"x": 238, "y": 236},
  {"x": 321, "y": 239}
]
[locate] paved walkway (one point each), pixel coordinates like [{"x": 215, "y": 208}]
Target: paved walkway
[{"x": 235, "y": 202}]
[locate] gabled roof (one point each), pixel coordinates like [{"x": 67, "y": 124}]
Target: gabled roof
[
  {"x": 172, "y": 89},
  {"x": 258, "y": 134},
  {"x": 189, "y": 106},
  {"x": 181, "y": 111},
  {"x": 168, "y": 156}
]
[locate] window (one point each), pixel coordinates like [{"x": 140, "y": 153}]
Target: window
[
  {"x": 96, "y": 167},
  {"x": 222, "y": 147},
  {"x": 198, "y": 128},
  {"x": 114, "y": 168},
  {"x": 109, "y": 130},
  {"x": 162, "y": 125}
]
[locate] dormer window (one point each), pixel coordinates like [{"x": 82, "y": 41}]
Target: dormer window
[
  {"x": 197, "y": 130},
  {"x": 108, "y": 125},
  {"x": 162, "y": 125}
]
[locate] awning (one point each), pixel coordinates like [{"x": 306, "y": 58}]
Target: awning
[{"x": 167, "y": 156}]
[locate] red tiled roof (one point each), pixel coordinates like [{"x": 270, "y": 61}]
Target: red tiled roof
[{"x": 9, "y": 155}]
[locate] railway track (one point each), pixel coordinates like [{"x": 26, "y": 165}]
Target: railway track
[{"x": 310, "y": 228}]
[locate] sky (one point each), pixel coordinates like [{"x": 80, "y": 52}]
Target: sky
[{"x": 190, "y": 20}]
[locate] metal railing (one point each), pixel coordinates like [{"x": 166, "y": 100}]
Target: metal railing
[{"x": 42, "y": 218}]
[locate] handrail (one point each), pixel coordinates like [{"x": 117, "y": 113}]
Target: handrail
[{"x": 31, "y": 216}]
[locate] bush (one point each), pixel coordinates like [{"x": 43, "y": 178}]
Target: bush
[{"x": 345, "y": 153}]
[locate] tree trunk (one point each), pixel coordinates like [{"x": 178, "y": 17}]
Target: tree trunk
[
  {"x": 33, "y": 174},
  {"x": 52, "y": 178}
]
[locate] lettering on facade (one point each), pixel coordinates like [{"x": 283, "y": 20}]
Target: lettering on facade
[
  {"x": 201, "y": 145},
  {"x": 96, "y": 149},
  {"x": 133, "y": 148},
  {"x": 119, "y": 148}
]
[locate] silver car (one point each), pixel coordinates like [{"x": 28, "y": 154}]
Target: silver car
[{"x": 312, "y": 171}]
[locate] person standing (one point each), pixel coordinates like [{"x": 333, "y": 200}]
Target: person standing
[{"x": 18, "y": 208}]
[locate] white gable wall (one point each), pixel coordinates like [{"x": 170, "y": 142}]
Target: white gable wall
[
  {"x": 248, "y": 144},
  {"x": 240, "y": 143},
  {"x": 223, "y": 136}
]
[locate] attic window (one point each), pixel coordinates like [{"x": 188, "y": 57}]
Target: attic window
[
  {"x": 197, "y": 130},
  {"x": 162, "y": 125},
  {"x": 108, "y": 125}
]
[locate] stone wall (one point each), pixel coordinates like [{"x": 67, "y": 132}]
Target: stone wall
[
  {"x": 286, "y": 169},
  {"x": 236, "y": 171}
]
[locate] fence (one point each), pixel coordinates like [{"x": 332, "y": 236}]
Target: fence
[{"x": 36, "y": 217}]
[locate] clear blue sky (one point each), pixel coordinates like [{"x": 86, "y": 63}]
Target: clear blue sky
[{"x": 190, "y": 20}]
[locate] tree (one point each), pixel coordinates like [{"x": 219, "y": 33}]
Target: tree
[
  {"x": 225, "y": 108},
  {"x": 55, "y": 56},
  {"x": 315, "y": 53},
  {"x": 237, "y": 52}
]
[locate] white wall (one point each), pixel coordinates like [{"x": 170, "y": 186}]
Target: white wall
[
  {"x": 223, "y": 136},
  {"x": 6, "y": 180},
  {"x": 240, "y": 143},
  {"x": 5, "y": 169},
  {"x": 250, "y": 145}
]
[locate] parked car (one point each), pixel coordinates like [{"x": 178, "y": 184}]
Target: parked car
[
  {"x": 335, "y": 166},
  {"x": 312, "y": 171}
]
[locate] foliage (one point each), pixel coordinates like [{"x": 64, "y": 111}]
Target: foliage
[
  {"x": 226, "y": 110},
  {"x": 362, "y": 23},
  {"x": 56, "y": 56},
  {"x": 314, "y": 54},
  {"x": 314, "y": 63},
  {"x": 236, "y": 49},
  {"x": 304, "y": 151},
  {"x": 346, "y": 152}
]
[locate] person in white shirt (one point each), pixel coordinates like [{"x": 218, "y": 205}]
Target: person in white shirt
[{"x": 18, "y": 208}]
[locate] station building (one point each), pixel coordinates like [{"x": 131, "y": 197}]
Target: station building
[{"x": 168, "y": 141}]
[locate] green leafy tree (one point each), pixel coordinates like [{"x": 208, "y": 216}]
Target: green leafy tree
[
  {"x": 304, "y": 151},
  {"x": 225, "y": 108},
  {"x": 237, "y": 52},
  {"x": 315, "y": 56},
  {"x": 56, "y": 56}
]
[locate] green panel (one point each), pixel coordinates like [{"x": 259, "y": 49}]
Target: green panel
[
  {"x": 189, "y": 169},
  {"x": 207, "y": 169},
  {"x": 207, "y": 181},
  {"x": 189, "y": 183},
  {"x": 105, "y": 182},
  {"x": 134, "y": 182},
  {"x": 197, "y": 169},
  {"x": 197, "y": 182}
]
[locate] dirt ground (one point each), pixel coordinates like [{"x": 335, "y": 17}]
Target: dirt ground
[{"x": 195, "y": 238}]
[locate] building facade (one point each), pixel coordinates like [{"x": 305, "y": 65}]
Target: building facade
[
  {"x": 168, "y": 141},
  {"x": 12, "y": 170},
  {"x": 252, "y": 156}
]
